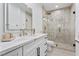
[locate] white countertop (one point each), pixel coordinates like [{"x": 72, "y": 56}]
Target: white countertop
[{"x": 17, "y": 42}]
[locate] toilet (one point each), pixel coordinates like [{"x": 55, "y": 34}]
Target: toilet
[{"x": 50, "y": 45}]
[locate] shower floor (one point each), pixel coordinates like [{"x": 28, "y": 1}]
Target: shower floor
[{"x": 62, "y": 50}]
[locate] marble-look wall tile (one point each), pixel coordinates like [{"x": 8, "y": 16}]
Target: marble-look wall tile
[{"x": 60, "y": 26}]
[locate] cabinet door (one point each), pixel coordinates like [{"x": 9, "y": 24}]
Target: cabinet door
[
  {"x": 19, "y": 51},
  {"x": 31, "y": 52},
  {"x": 16, "y": 52},
  {"x": 43, "y": 49},
  {"x": 28, "y": 49},
  {"x": 11, "y": 53},
  {"x": 42, "y": 46}
]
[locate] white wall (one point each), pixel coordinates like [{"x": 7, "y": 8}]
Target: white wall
[
  {"x": 1, "y": 18},
  {"x": 37, "y": 17}
]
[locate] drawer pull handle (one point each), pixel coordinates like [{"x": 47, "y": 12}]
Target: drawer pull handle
[{"x": 38, "y": 51}]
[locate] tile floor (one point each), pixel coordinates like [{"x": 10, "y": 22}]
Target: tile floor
[{"x": 62, "y": 50}]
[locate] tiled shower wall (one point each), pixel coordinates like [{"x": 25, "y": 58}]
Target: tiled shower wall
[{"x": 60, "y": 25}]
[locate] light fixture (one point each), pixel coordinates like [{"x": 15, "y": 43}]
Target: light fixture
[{"x": 56, "y": 6}]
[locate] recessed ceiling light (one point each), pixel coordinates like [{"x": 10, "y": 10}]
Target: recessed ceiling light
[{"x": 56, "y": 6}]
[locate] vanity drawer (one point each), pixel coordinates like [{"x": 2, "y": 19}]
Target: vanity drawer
[{"x": 15, "y": 52}]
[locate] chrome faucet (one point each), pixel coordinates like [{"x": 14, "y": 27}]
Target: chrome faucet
[{"x": 21, "y": 32}]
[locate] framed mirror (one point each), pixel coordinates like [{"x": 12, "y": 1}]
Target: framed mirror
[{"x": 18, "y": 16}]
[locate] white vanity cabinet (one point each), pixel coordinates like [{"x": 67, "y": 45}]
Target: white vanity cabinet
[
  {"x": 42, "y": 46},
  {"x": 15, "y": 52},
  {"x": 29, "y": 49},
  {"x": 35, "y": 47},
  {"x": 11, "y": 53},
  {"x": 30, "y": 52},
  {"x": 43, "y": 49}
]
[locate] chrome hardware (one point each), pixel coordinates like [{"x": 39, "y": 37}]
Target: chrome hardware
[{"x": 38, "y": 51}]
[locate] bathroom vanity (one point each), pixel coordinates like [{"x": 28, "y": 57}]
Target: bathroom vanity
[{"x": 35, "y": 45}]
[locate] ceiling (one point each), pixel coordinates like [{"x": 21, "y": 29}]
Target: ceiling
[{"x": 54, "y": 6}]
